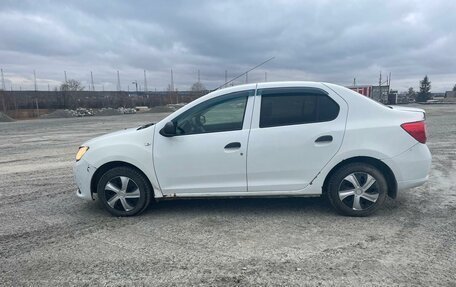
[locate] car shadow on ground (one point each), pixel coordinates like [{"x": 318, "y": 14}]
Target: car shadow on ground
[
  {"x": 312, "y": 206},
  {"x": 242, "y": 205}
]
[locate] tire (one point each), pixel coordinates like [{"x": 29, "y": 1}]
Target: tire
[
  {"x": 123, "y": 191},
  {"x": 357, "y": 189}
]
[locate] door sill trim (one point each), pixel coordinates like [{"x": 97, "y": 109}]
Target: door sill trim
[{"x": 241, "y": 194}]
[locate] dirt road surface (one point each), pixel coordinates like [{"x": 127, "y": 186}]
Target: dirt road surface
[{"x": 50, "y": 237}]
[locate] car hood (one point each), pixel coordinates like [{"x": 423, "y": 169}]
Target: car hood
[{"x": 119, "y": 136}]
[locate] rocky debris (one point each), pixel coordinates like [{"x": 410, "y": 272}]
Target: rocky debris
[
  {"x": 142, "y": 109},
  {"x": 160, "y": 109},
  {"x": 5, "y": 118},
  {"x": 166, "y": 109},
  {"x": 83, "y": 112},
  {"x": 106, "y": 112},
  {"x": 127, "y": 110},
  {"x": 175, "y": 107},
  {"x": 64, "y": 114}
]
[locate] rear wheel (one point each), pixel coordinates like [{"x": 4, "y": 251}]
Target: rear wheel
[
  {"x": 123, "y": 191},
  {"x": 357, "y": 189}
]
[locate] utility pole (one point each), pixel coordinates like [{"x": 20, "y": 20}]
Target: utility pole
[
  {"x": 118, "y": 82},
  {"x": 37, "y": 108},
  {"x": 136, "y": 84},
  {"x": 172, "y": 81},
  {"x": 389, "y": 82},
  {"x": 145, "y": 81},
  {"x": 91, "y": 80},
  {"x": 34, "y": 79},
  {"x": 3, "y": 102},
  {"x": 64, "y": 73},
  {"x": 3, "y": 80},
  {"x": 2, "y": 89},
  {"x": 354, "y": 82},
  {"x": 380, "y": 86}
]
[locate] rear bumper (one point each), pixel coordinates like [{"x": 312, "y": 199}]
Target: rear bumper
[
  {"x": 406, "y": 184},
  {"x": 83, "y": 173},
  {"x": 411, "y": 168}
]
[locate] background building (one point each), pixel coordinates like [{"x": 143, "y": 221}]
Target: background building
[
  {"x": 363, "y": 90},
  {"x": 380, "y": 93}
]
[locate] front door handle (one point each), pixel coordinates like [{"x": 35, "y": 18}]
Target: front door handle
[
  {"x": 233, "y": 145},
  {"x": 324, "y": 139}
]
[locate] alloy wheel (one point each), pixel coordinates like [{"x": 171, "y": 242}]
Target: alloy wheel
[
  {"x": 122, "y": 193},
  {"x": 358, "y": 191}
]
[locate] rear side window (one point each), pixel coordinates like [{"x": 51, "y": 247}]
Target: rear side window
[{"x": 282, "y": 107}]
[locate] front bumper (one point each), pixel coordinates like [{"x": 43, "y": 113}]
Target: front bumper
[{"x": 83, "y": 173}]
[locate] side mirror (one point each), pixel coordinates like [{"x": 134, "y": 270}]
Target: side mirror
[{"x": 169, "y": 130}]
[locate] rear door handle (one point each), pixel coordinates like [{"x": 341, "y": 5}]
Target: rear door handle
[
  {"x": 324, "y": 139},
  {"x": 233, "y": 145}
]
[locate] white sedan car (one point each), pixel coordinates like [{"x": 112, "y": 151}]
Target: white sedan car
[{"x": 262, "y": 140}]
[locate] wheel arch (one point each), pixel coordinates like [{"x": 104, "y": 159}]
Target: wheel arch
[
  {"x": 383, "y": 167},
  {"x": 109, "y": 165}
]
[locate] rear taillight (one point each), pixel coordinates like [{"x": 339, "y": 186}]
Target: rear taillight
[{"x": 417, "y": 130}]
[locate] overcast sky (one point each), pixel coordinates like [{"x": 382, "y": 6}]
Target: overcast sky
[{"x": 322, "y": 40}]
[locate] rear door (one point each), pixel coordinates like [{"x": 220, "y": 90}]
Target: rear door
[{"x": 295, "y": 132}]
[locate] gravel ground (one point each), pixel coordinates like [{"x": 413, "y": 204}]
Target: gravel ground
[{"x": 49, "y": 237}]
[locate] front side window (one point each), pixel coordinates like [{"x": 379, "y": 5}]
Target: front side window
[
  {"x": 221, "y": 114},
  {"x": 281, "y": 107}
]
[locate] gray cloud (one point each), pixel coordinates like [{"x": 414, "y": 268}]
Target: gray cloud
[{"x": 311, "y": 40}]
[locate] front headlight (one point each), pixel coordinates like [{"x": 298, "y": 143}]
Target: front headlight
[{"x": 82, "y": 150}]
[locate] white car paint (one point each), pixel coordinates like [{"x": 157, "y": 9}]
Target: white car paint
[
  {"x": 293, "y": 158},
  {"x": 274, "y": 161},
  {"x": 200, "y": 164}
]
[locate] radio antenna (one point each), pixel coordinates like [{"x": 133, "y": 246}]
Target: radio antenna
[{"x": 237, "y": 77}]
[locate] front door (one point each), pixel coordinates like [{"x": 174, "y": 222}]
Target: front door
[{"x": 208, "y": 154}]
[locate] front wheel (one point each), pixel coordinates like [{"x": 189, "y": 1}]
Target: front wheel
[
  {"x": 357, "y": 189},
  {"x": 123, "y": 191}
]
